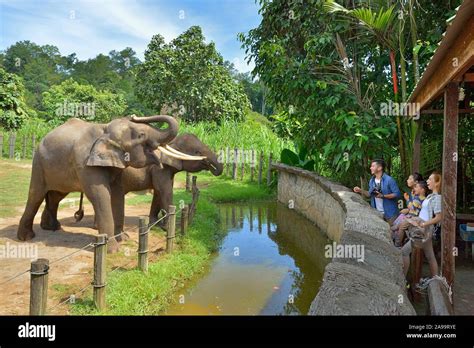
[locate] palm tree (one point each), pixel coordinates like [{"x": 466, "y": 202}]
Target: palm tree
[{"x": 382, "y": 25}]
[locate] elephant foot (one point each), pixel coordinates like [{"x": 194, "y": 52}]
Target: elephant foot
[
  {"x": 24, "y": 234},
  {"x": 112, "y": 246},
  {"x": 122, "y": 238},
  {"x": 50, "y": 225}
]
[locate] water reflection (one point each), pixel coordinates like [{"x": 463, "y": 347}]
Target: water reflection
[{"x": 275, "y": 271}]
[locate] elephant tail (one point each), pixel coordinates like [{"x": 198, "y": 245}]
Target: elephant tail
[{"x": 79, "y": 214}]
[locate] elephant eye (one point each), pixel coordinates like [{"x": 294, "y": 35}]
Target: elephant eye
[{"x": 141, "y": 135}]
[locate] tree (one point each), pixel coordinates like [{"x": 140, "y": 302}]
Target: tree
[
  {"x": 40, "y": 67},
  {"x": 13, "y": 110},
  {"x": 330, "y": 74},
  {"x": 71, "y": 99},
  {"x": 189, "y": 77}
]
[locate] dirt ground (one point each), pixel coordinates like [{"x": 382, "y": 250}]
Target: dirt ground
[{"x": 69, "y": 275}]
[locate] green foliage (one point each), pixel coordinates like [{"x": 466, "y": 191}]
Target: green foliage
[
  {"x": 251, "y": 133},
  {"x": 189, "y": 77},
  {"x": 40, "y": 67},
  {"x": 328, "y": 74},
  {"x": 13, "y": 110},
  {"x": 297, "y": 160},
  {"x": 71, "y": 99}
]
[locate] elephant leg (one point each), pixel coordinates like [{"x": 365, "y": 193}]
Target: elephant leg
[
  {"x": 36, "y": 195},
  {"x": 49, "y": 218},
  {"x": 162, "y": 196},
  {"x": 97, "y": 190},
  {"x": 118, "y": 210},
  {"x": 155, "y": 207}
]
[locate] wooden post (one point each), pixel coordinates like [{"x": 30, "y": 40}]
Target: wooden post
[
  {"x": 242, "y": 159},
  {"x": 171, "y": 229},
  {"x": 269, "y": 170},
  {"x": 184, "y": 219},
  {"x": 194, "y": 187},
  {"x": 33, "y": 145},
  {"x": 416, "y": 261},
  {"x": 188, "y": 181},
  {"x": 260, "y": 169},
  {"x": 1, "y": 146},
  {"x": 11, "y": 152},
  {"x": 234, "y": 165},
  {"x": 227, "y": 162},
  {"x": 417, "y": 146},
  {"x": 143, "y": 243},
  {"x": 449, "y": 182},
  {"x": 100, "y": 252},
  {"x": 252, "y": 165},
  {"x": 23, "y": 148},
  {"x": 39, "y": 286}
]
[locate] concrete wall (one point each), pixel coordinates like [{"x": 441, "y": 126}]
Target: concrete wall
[{"x": 375, "y": 286}]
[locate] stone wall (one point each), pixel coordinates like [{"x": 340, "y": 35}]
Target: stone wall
[{"x": 375, "y": 286}]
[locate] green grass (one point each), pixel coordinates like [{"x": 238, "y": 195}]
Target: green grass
[
  {"x": 131, "y": 292},
  {"x": 14, "y": 185}
]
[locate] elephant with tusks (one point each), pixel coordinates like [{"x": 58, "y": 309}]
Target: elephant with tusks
[
  {"x": 185, "y": 153},
  {"x": 79, "y": 156}
]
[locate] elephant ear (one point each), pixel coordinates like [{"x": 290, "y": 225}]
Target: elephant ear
[
  {"x": 170, "y": 161},
  {"x": 106, "y": 153}
]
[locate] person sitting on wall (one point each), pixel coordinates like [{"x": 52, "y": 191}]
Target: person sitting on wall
[
  {"x": 402, "y": 223},
  {"x": 422, "y": 227},
  {"x": 383, "y": 191}
]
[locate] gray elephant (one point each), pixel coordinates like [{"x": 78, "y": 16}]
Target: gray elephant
[
  {"x": 90, "y": 158},
  {"x": 185, "y": 153}
]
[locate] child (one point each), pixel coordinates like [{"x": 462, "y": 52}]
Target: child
[{"x": 420, "y": 192}]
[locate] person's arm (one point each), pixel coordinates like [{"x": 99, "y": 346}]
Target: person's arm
[
  {"x": 392, "y": 185},
  {"x": 438, "y": 217},
  {"x": 364, "y": 193},
  {"x": 436, "y": 202}
]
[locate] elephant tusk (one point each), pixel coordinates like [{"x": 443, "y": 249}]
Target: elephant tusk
[
  {"x": 173, "y": 150},
  {"x": 180, "y": 156}
]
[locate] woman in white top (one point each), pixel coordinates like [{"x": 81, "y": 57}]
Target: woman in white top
[{"x": 430, "y": 215}]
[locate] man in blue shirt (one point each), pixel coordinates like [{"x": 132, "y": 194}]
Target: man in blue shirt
[{"x": 383, "y": 191}]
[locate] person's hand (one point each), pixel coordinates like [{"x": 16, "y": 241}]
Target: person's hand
[
  {"x": 406, "y": 196},
  {"x": 357, "y": 189},
  {"x": 379, "y": 195},
  {"x": 404, "y": 211}
]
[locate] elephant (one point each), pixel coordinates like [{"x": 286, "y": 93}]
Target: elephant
[
  {"x": 79, "y": 156},
  {"x": 194, "y": 157}
]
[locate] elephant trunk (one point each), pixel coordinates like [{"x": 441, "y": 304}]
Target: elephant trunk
[{"x": 165, "y": 135}]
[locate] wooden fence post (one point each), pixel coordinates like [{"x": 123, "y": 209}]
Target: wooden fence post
[
  {"x": 100, "y": 252},
  {"x": 1, "y": 145},
  {"x": 23, "y": 148},
  {"x": 143, "y": 243},
  {"x": 234, "y": 165},
  {"x": 171, "y": 229},
  {"x": 269, "y": 170},
  {"x": 33, "y": 145},
  {"x": 227, "y": 163},
  {"x": 39, "y": 286},
  {"x": 11, "y": 152},
  {"x": 252, "y": 165},
  {"x": 188, "y": 181},
  {"x": 242, "y": 159},
  {"x": 260, "y": 165},
  {"x": 184, "y": 219}
]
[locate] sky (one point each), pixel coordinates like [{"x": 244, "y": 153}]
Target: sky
[{"x": 90, "y": 27}]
